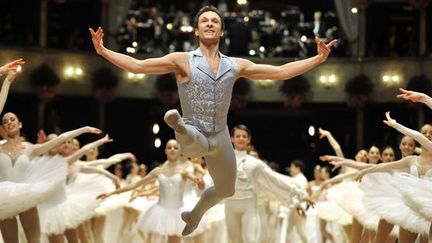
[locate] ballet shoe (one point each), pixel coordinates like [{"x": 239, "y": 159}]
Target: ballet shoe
[
  {"x": 173, "y": 119},
  {"x": 190, "y": 227}
]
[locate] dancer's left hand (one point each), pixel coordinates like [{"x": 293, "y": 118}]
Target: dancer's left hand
[
  {"x": 324, "y": 49},
  {"x": 11, "y": 67},
  {"x": 309, "y": 201},
  {"x": 331, "y": 158},
  {"x": 359, "y": 176},
  {"x": 411, "y": 95},
  {"x": 200, "y": 183},
  {"x": 104, "y": 195}
]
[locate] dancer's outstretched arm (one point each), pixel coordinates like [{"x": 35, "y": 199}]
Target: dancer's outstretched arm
[
  {"x": 340, "y": 161},
  {"x": 42, "y": 148},
  {"x": 144, "y": 191},
  {"x": 250, "y": 70},
  {"x": 335, "y": 145},
  {"x": 166, "y": 64},
  {"x": 265, "y": 180},
  {"x": 149, "y": 178},
  {"x": 82, "y": 151},
  {"x": 399, "y": 165},
  {"x": 415, "y": 97},
  {"x": 93, "y": 170},
  {"x": 338, "y": 178},
  {"x": 420, "y": 138},
  {"x": 11, "y": 66},
  {"x": 195, "y": 179},
  {"x": 5, "y": 88},
  {"x": 114, "y": 159}
]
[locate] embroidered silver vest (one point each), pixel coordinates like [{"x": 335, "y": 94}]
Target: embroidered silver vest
[{"x": 205, "y": 98}]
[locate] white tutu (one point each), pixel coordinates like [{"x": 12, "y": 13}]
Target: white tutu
[
  {"x": 382, "y": 196},
  {"x": 71, "y": 205},
  {"x": 417, "y": 193},
  {"x": 330, "y": 210},
  {"x": 351, "y": 201},
  {"x": 142, "y": 204},
  {"x": 110, "y": 203},
  {"x": 28, "y": 183},
  {"x": 163, "y": 217}
]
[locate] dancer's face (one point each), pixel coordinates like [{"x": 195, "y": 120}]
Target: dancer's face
[
  {"x": 374, "y": 155},
  {"x": 118, "y": 171},
  {"x": 388, "y": 155},
  {"x": 56, "y": 149},
  {"x": 76, "y": 145},
  {"x": 11, "y": 124},
  {"x": 92, "y": 154},
  {"x": 172, "y": 150},
  {"x": 325, "y": 175},
  {"x": 66, "y": 148},
  {"x": 317, "y": 174},
  {"x": 240, "y": 139},
  {"x": 134, "y": 169},
  {"x": 407, "y": 146},
  {"x": 209, "y": 27},
  {"x": 361, "y": 156},
  {"x": 294, "y": 170},
  {"x": 426, "y": 130},
  {"x": 143, "y": 170}
]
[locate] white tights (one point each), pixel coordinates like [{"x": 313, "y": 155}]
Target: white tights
[
  {"x": 243, "y": 221},
  {"x": 220, "y": 158}
]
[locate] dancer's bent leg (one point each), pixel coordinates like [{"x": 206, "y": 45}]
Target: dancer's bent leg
[{"x": 222, "y": 167}]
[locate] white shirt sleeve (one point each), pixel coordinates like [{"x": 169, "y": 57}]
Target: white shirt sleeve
[{"x": 265, "y": 180}]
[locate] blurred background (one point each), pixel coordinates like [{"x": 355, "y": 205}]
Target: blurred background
[{"x": 382, "y": 45}]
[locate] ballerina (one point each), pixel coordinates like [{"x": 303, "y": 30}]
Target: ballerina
[
  {"x": 390, "y": 204},
  {"x": 73, "y": 203},
  {"x": 163, "y": 218}
]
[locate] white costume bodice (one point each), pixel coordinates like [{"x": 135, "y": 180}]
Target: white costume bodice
[
  {"x": 13, "y": 171},
  {"x": 420, "y": 170},
  {"x": 171, "y": 189}
]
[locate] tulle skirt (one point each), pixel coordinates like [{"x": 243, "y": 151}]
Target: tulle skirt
[
  {"x": 383, "y": 197},
  {"x": 330, "y": 210},
  {"x": 71, "y": 206},
  {"x": 417, "y": 192},
  {"x": 163, "y": 220},
  {"x": 40, "y": 179},
  {"x": 352, "y": 202}
]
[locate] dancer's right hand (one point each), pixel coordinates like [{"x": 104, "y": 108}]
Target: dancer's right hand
[
  {"x": 104, "y": 195},
  {"x": 12, "y": 66},
  {"x": 97, "y": 39}
]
